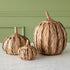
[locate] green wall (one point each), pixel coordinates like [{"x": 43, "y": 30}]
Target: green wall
[{"x": 28, "y": 13}]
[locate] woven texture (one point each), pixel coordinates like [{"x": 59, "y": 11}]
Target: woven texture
[
  {"x": 12, "y": 43},
  {"x": 50, "y": 37},
  {"x": 27, "y": 52}
]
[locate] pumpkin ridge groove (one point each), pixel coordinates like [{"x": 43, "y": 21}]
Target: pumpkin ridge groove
[
  {"x": 57, "y": 38},
  {"x": 49, "y": 40},
  {"x": 12, "y": 45},
  {"x": 7, "y": 45},
  {"x": 36, "y": 37},
  {"x": 19, "y": 40},
  {"x": 27, "y": 53},
  {"x": 41, "y": 38},
  {"x": 32, "y": 53},
  {"x": 36, "y": 40},
  {"x": 63, "y": 37}
]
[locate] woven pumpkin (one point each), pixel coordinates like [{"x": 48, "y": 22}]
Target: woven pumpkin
[
  {"x": 12, "y": 43},
  {"x": 27, "y": 52},
  {"x": 50, "y": 37}
]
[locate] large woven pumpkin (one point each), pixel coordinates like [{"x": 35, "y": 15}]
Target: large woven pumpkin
[
  {"x": 27, "y": 52},
  {"x": 12, "y": 43},
  {"x": 50, "y": 37}
]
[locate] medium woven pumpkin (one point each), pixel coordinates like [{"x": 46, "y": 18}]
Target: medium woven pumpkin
[
  {"x": 27, "y": 52},
  {"x": 12, "y": 43},
  {"x": 50, "y": 37}
]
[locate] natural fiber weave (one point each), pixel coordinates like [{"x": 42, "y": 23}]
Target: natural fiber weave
[
  {"x": 12, "y": 43},
  {"x": 27, "y": 52},
  {"x": 50, "y": 37}
]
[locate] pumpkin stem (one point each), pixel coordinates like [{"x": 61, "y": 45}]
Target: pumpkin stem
[
  {"x": 16, "y": 30},
  {"x": 27, "y": 43},
  {"x": 47, "y": 14}
]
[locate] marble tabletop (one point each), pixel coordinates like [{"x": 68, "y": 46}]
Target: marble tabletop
[{"x": 58, "y": 62}]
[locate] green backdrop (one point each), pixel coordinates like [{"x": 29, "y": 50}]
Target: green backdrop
[{"x": 26, "y": 14}]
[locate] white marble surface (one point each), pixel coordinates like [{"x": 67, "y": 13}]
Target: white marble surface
[{"x": 13, "y": 62}]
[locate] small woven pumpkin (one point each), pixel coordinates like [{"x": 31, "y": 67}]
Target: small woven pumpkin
[
  {"x": 12, "y": 43},
  {"x": 50, "y": 37},
  {"x": 27, "y": 52}
]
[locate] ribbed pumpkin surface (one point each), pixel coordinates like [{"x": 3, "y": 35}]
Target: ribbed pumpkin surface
[
  {"x": 12, "y": 43},
  {"x": 27, "y": 52},
  {"x": 50, "y": 37}
]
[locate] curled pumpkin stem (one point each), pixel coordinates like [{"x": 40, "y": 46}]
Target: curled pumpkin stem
[
  {"x": 16, "y": 31},
  {"x": 47, "y": 14}
]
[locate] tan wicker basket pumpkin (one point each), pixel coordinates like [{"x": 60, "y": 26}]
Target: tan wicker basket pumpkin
[
  {"x": 27, "y": 52},
  {"x": 12, "y": 43},
  {"x": 50, "y": 37}
]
